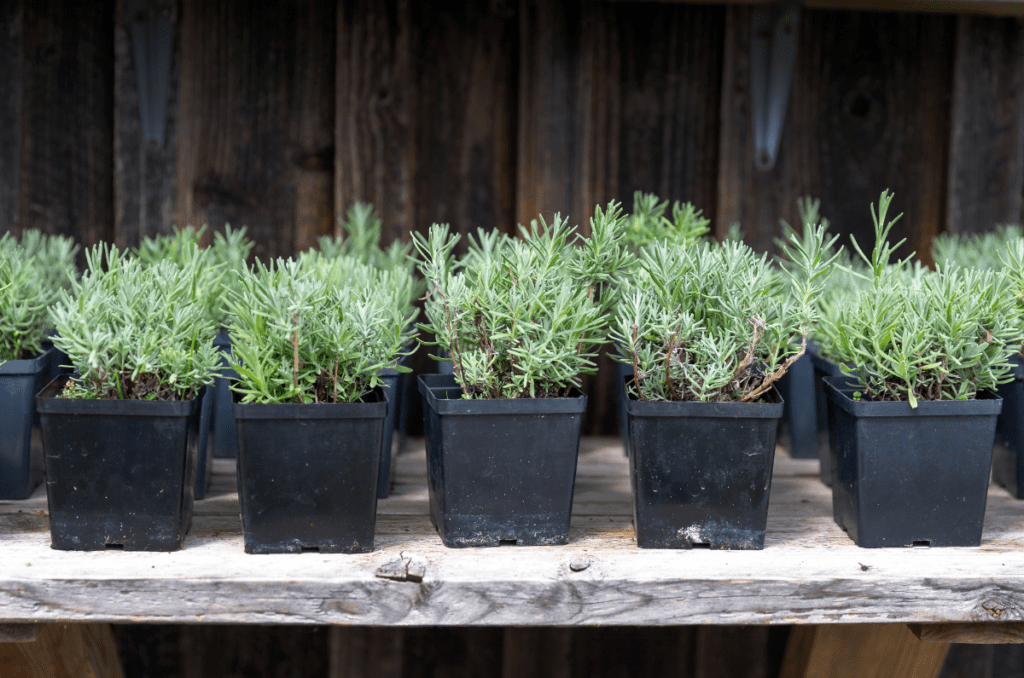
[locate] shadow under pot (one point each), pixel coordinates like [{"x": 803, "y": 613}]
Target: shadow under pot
[
  {"x": 904, "y": 476},
  {"x": 307, "y": 475},
  {"x": 120, "y": 474},
  {"x": 701, "y": 472},
  {"x": 500, "y": 472},
  {"x": 21, "y": 458},
  {"x": 1008, "y": 453},
  {"x": 823, "y": 368},
  {"x": 799, "y": 430}
]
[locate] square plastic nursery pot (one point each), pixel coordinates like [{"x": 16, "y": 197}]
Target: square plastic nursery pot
[
  {"x": 702, "y": 472},
  {"x": 904, "y": 476},
  {"x": 1007, "y": 460},
  {"x": 823, "y": 368},
  {"x": 307, "y": 475},
  {"x": 120, "y": 474},
  {"x": 625, "y": 373},
  {"x": 225, "y": 432},
  {"x": 59, "y": 361},
  {"x": 392, "y": 379},
  {"x": 799, "y": 430},
  {"x": 21, "y": 461},
  {"x": 500, "y": 472}
]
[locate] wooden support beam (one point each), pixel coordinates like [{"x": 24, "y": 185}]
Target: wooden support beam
[
  {"x": 64, "y": 651},
  {"x": 993, "y": 633},
  {"x": 861, "y": 651},
  {"x": 986, "y": 156}
]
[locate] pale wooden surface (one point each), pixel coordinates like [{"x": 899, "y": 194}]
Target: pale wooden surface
[
  {"x": 64, "y": 651},
  {"x": 861, "y": 651},
  {"x": 809, "y": 572}
]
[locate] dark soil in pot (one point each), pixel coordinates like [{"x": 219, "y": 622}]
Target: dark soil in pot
[
  {"x": 21, "y": 459},
  {"x": 500, "y": 471},
  {"x": 701, "y": 473},
  {"x": 910, "y": 477},
  {"x": 799, "y": 430},
  {"x": 225, "y": 432},
  {"x": 823, "y": 368},
  {"x": 1008, "y": 453},
  {"x": 119, "y": 473},
  {"x": 307, "y": 475}
]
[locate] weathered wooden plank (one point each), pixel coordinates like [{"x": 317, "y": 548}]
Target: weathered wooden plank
[
  {"x": 809, "y": 573},
  {"x": 65, "y": 182},
  {"x": 869, "y": 109},
  {"x": 144, "y": 171},
  {"x": 11, "y": 46},
  {"x": 64, "y": 651},
  {"x": 986, "y": 163},
  {"x": 254, "y": 137},
  {"x": 865, "y": 651}
]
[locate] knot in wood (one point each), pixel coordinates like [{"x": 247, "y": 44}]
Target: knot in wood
[{"x": 994, "y": 608}]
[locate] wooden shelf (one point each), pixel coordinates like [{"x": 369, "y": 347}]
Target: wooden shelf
[{"x": 809, "y": 572}]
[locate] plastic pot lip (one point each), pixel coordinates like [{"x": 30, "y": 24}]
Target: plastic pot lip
[
  {"x": 707, "y": 410},
  {"x": 432, "y": 386},
  {"x": 838, "y": 390},
  {"x": 1017, "y": 363},
  {"x": 375, "y": 409},
  {"x": 46, "y": 403},
  {"x": 222, "y": 339},
  {"x": 32, "y": 366},
  {"x": 825, "y": 365}
]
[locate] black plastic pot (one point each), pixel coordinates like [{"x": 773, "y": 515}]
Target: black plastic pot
[
  {"x": 225, "y": 432},
  {"x": 307, "y": 475},
  {"x": 799, "y": 431},
  {"x": 625, "y": 373},
  {"x": 59, "y": 360},
  {"x": 702, "y": 472},
  {"x": 119, "y": 473},
  {"x": 1008, "y": 453},
  {"x": 500, "y": 471},
  {"x": 823, "y": 368},
  {"x": 204, "y": 444},
  {"x": 392, "y": 380},
  {"x": 910, "y": 477},
  {"x": 21, "y": 460}
]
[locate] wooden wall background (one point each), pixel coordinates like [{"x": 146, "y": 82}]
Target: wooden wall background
[{"x": 485, "y": 113}]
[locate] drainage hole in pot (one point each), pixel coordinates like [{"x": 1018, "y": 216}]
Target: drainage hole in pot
[
  {"x": 923, "y": 542},
  {"x": 507, "y": 542},
  {"x": 700, "y": 545},
  {"x": 311, "y": 549},
  {"x": 114, "y": 547}
]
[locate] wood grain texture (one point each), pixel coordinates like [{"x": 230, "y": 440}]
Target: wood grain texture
[
  {"x": 65, "y": 180},
  {"x": 144, "y": 171},
  {"x": 979, "y": 634},
  {"x": 868, "y": 651},
  {"x": 255, "y": 111},
  {"x": 869, "y": 109},
  {"x": 373, "y": 133},
  {"x": 810, "y": 572},
  {"x": 969, "y": 661},
  {"x": 986, "y": 165},
  {"x": 11, "y": 46},
  {"x": 365, "y": 652},
  {"x": 64, "y": 651}
]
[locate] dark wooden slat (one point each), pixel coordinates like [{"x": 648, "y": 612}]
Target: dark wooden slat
[
  {"x": 630, "y": 652},
  {"x": 540, "y": 652},
  {"x": 986, "y": 166},
  {"x": 374, "y": 157},
  {"x": 66, "y": 155},
  {"x": 10, "y": 110},
  {"x": 968, "y": 661},
  {"x": 869, "y": 110},
  {"x": 465, "y": 652},
  {"x": 464, "y": 122},
  {"x": 240, "y": 651},
  {"x": 365, "y": 652},
  {"x": 144, "y": 172},
  {"x": 737, "y": 651},
  {"x": 254, "y": 119}
]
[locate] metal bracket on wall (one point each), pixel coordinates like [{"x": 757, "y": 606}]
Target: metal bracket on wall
[
  {"x": 773, "y": 39},
  {"x": 152, "y": 28}
]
